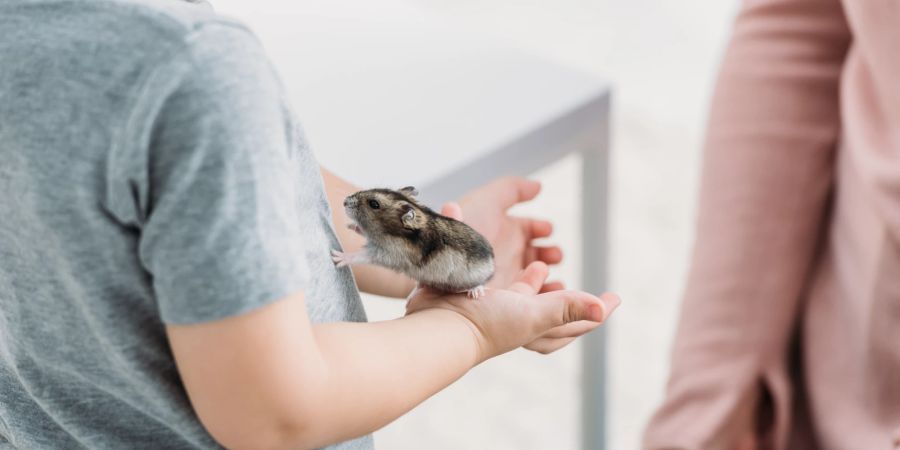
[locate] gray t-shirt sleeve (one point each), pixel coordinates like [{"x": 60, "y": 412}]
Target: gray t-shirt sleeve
[{"x": 213, "y": 183}]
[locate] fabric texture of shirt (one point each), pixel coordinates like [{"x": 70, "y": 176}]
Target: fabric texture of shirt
[
  {"x": 151, "y": 173},
  {"x": 790, "y": 331}
]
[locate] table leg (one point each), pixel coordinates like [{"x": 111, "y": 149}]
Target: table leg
[{"x": 594, "y": 272}]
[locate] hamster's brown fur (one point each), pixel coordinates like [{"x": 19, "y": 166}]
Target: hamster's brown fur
[{"x": 406, "y": 236}]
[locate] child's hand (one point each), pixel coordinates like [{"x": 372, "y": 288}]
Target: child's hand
[
  {"x": 505, "y": 319},
  {"x": 485, "y": 210}
]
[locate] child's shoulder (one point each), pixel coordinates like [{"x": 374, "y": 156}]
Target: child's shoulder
[
  {"x": 127, "y": 31},
  {"x": 166, "y": 19}
]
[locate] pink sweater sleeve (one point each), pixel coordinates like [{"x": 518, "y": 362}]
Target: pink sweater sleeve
[{"x": 767, "y": 176}]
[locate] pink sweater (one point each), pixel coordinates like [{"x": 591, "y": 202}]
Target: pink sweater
[{"x": 790, "y": 332}]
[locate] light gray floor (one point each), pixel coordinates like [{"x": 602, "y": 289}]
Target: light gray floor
[{"x": 661, "y": 57}]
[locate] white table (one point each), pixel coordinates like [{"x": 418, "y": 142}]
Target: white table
[{"x": 400, "y": 98}]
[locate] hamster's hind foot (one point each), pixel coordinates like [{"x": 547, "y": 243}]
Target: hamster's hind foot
[
  {"x": 476, "y": 292},
  {"x": 339, "y": 258}
]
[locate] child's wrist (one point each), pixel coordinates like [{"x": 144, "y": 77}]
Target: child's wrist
[{"x": 476, "y": 348}]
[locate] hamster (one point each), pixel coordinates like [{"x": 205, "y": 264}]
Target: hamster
[{"x": 408, "y": 237}]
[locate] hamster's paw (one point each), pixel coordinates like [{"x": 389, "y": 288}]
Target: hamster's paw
[
  {"x": 340, "y": 258},
  {"x": 476, "y": 292},
  {"x": 355, "y": 228}
]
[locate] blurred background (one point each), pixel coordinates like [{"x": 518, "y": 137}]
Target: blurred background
[{"x": 659, "y": 57}]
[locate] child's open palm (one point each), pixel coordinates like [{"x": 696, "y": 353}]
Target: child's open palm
[{"x": 505, "y": 319}]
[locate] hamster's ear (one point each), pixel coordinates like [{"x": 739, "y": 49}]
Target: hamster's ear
[
  {"x": 410, "y": 218},
  {"x": 409, "y": 191}
]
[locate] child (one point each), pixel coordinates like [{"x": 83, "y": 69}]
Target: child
[{"x": 165, "y": 271}]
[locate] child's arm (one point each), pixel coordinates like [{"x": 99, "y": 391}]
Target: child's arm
[{"x": 270, "y": 379}]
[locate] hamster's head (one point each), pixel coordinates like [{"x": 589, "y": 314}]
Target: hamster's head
[{"x": 378, "y": 212}]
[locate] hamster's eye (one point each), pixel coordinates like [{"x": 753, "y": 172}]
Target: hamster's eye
[{"x": 374, "y": 204}]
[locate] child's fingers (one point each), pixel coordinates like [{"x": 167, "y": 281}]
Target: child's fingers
[
  {"x": 509, "y": 191},
  {"x": 549, "y": 255},
  {"x": 547, "y": 345},
  {"x": 531, "y": 279},
  {"x": 551, "y": 286},
  {"x": 571, "y": 330},
  {"x": 452, "y": 210},
  {"x": 562, "y": 307},
  {"x": 537, "y": 228}
]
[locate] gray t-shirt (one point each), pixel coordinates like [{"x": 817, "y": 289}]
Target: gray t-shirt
[{"x": 151, "y": 173}]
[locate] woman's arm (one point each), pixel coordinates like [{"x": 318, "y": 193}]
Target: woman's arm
[
  {"x": 270, "y": 379},
  {"x": 767, "y": 175}
]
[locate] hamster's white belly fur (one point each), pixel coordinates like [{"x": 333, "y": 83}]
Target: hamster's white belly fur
[{"x": 450, "y": 268}]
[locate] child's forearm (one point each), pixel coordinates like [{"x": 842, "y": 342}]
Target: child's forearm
[
  {"x": 372, "y": 279},
  {"x": 379, "y": 371},
  {"x": 380, "y": 281},
  {"x": 271, "y": 379}
]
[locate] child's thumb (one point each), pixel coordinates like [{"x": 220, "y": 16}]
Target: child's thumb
[{"x": 562, "y": 307}]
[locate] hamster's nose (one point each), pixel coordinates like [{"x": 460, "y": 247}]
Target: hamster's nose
[{"x": 350, "y": 202}]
